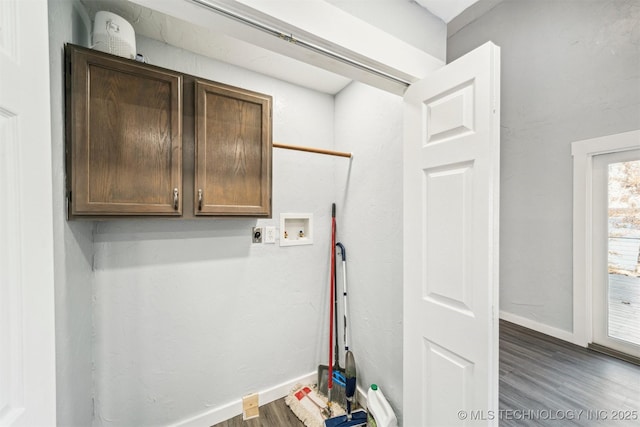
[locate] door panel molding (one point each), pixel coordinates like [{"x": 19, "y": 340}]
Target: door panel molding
[
  {"x": 449, "y": 191},
  {"x": 449, "y": 374}
]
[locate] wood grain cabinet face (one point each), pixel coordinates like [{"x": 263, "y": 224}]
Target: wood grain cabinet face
[
  {"x": 232, "y": 151},
  {"x": 124, "y": 125}
]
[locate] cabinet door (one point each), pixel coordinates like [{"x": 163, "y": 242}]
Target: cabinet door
[
  {"x": 233, "y": 151},
  {"x": 125, "y": 128}
]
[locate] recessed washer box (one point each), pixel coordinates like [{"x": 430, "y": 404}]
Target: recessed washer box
[{"x": 296, "y": 229}]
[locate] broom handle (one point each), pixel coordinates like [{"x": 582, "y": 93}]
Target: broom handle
[
  {"x": 332, "y": 297},
  {"x": 336, "y": 349},
  {"x": 305, "y": 394}
]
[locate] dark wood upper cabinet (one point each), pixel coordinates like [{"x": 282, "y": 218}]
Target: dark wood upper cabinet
[
  {"x": 124, "y": 141},
  {"x": 127, "y": 154},
  {"x": 232, "y": 151}
]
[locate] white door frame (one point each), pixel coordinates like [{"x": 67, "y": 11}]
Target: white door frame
[
  {"x": 27, "y": 301},
  {"x": 583, "y": 153}
]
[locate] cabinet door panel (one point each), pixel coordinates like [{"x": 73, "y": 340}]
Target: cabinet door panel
[
  {"x": 127, "y": 136},
  {"x": 233, "y": 151}
]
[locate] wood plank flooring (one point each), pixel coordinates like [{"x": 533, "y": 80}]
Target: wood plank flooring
[
  {"x": 539, "y": 373},
  {"x": 274, "y": 414},
  {"x": 543, "y": 382}
]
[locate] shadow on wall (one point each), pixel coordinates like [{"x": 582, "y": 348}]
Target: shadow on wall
[{"x": 145, "y": 241}]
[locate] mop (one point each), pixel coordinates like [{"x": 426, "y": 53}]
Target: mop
[
  {"x": 357, "y": 418},
  {"x": 310, "y": 406}
]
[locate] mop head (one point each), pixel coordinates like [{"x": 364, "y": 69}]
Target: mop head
[
  {"x": 307, "y": 404},
  {"x": 358, "y": 418}
]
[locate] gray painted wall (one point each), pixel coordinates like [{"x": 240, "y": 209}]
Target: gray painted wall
[
  {"x": 570, "y": 71},
  {"x": 368, "y": 122},
  {"x": 73, "y": 241}
]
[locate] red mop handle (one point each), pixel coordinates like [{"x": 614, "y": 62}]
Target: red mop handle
[{"x": 331, "y": 302}]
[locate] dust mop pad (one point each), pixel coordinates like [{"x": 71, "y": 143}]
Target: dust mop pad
[{"x": 307, "y": 404}]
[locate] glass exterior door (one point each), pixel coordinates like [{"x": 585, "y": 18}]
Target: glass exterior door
[{"x": 616, "y": 282}]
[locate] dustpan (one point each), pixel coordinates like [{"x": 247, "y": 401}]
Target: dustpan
[{"x": 338, "y": 394}]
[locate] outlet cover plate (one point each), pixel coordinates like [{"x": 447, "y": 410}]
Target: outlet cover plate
[
  {"x": 256, "y": 234},
  {"x": 269, "y": 234},
  {"x": 250, "y": 406}
]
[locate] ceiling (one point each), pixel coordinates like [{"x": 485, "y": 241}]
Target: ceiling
[
  {"x": 207, "y": 42},
  {"x": 446, "y": 9}
]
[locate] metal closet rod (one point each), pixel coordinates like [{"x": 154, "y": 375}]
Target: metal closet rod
[
  {"x": 313, "y": 150},
  {"x": 305, "y": 44}
]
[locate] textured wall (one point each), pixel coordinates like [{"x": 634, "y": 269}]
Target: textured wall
[
  {"x": 368, "y": 122},
  {"x": 73, "y": 244},
  {"x": 570, "y": 71},
  {"x": 190, "y": 315}
]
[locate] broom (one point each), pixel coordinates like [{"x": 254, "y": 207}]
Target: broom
[{"x": 336, "y": 373}]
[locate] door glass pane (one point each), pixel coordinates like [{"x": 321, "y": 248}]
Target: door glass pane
[{"x": 624, "y": 251}]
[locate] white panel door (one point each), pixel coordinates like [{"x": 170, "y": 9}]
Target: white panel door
[
  {"x": 451, "y": 213},
  {"x": 27, "y": 341}
]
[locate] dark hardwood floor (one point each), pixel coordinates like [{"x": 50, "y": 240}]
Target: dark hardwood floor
[
  {"x": 543, "y": 382},
  {"x": 274, "y": 414},
  {"x": 549, "y": 382}
]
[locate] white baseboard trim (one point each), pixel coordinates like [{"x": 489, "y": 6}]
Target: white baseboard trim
[
  {"x": 540, "y": 327},
  {"x": 361, "y": 397},
  {"x": 232, "y": 409}
]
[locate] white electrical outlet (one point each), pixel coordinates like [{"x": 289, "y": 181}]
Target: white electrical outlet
[{"x": 269, "y": 234}]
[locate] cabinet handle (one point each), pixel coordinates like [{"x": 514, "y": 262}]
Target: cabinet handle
[
  {"x": 200, "y": 199},
  {"x": 175, "y": 198}
]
